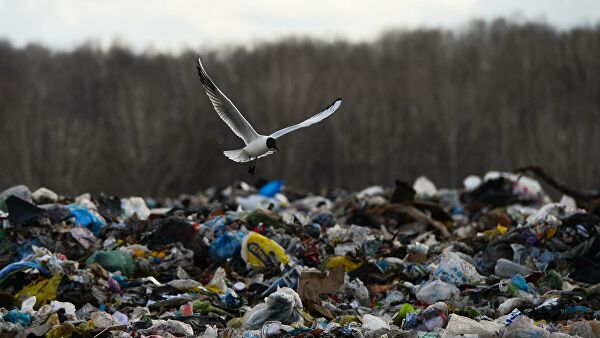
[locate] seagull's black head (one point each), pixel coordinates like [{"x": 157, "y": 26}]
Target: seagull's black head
[{"x": 271, "y": 143}]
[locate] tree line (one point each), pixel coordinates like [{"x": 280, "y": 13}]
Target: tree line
[{"x": 445, "y": 104}]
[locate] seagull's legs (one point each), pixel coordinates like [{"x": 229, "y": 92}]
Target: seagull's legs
[{"x": 252, "y": 168}]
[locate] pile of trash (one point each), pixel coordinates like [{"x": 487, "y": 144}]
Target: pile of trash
[{"x": 496, "y": 258}]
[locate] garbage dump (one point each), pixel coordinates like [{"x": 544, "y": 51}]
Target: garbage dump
[{"x": 496, "y": 258}]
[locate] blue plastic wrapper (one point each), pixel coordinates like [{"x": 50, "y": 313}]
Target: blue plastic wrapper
[
  {"x": 226, "y": 246},
  {"x": 519, "y": 282},
  {"x": 87, "y": 218},
  {"x": 231, "y": 299},
  {"x": 577, "y": 310},
  {"x": 411, "y": 321},
  {"x": 218, "y": 224},
  {"x": 17, "y": 317},
  {"x": 17, "y": 266},
  {"x": 271, "y": 188}
]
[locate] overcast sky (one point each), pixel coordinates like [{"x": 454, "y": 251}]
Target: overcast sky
[{"x": 176, "y": 24}]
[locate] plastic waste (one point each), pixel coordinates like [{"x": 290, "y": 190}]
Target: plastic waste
[
  {"x": 522, "y": 326},
  {"x": 260, "y": 251},
  {"x": 87, "y": 218},
  {"x": 462, "y": 326},
  {"x": 271, "y": 188},
  {"x": 281, "y": 306},
  {"x": 455, "y": 270},
  {"x": 68, "y": 308},
  {"x": 27, "y": 305},
  {"x": 44, "y": 290},
  {"x": 288, "y": 279},
  {"x": 184, "y": 284},
  {"x": 509, "y": 305},
  {"x": 120, "y": 317},
  {"x": 21, "y": 266},
  {"x": 113, "y": 261},
  {"x": 471, "y": 182},
  {"x": 436, "y": 291},
  {"x": 424, "y": 187},
  {"x": 44, "y": 195},
  {"x": 16, "y": 317},
  {"x": 371, "y": 322},
  {"x": 519, "y": 283},
  {"x": 505, "y": 268},
  {"x": 404, "y": 311},
  {"x": 135, "y": 206},
  {"x": 23, "y": 212},
  {"x": 357, "y": 260},
  {"x": 102, "y": 319},
  {"x": 173, "y": 327},
  {"x": 20, "y": 191},
  {"x": 360, "y": 292},
  {"x": 217, "y": 283},
  {"x": 434, "y": 316},
  {"x": 210, "y": 332},
  {"x": 226, "y": 246}
]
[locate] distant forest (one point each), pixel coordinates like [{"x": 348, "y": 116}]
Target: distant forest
[{"x": 445, "y": 104}]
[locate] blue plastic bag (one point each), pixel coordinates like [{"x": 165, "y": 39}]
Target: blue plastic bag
[
  {"x": 88, "y": 218},
  {"x": 18, "y": 266},
  {"x": 271, "y": 188},
  {"x": 228, "y": 245},
  {"x": 17, "y": 317},
  {"x": 519, "y": 283}
]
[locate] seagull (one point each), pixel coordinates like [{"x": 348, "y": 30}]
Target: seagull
[{"x": 257, "y": 145}]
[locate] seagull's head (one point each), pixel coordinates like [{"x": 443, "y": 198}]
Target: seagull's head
[{"x": 272, "y": 144}]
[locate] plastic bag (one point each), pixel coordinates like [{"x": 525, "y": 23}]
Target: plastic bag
[
  {"x": 113, "y": 261},
  {"x": 436, "y": 291},
  {"x": 455, "y": 270},
  {"x": 135, "y": 206},
  {"x": 459, "y": 325},
  {"x": 360, "y": 292},
  {"x": 371, "y": 322},
  {"x": 271, "y": 188},
  {"x": 44, "y": 290},
  {"x": 174, "y": 327},
  {"x": 434, "y": 316},
  {"x": 524, "y": 327},
  {"x": 217, "y": 283},
  {"x": 258, "y": 250},
  {"x": 17, "y": 317},
  {"x": 280, "y": 306},
  {"x": 88, "y": 218},
  {"x": 226, "y": 246}
]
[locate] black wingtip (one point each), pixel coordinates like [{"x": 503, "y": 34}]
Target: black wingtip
[{"x": 338, "y": 99}]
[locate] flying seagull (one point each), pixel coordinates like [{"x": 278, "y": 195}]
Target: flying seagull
[{"x": 257, "y": 145}]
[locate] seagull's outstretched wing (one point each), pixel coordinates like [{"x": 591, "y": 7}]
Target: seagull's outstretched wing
[
  {"x": 310, "y": 121},
  {"x": 225, "y": 108}
]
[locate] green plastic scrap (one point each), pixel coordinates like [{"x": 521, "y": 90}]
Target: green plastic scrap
[
  {"x": 113, "y": 261},
  {"x": 404, "y": 310},
  {"x": 552, "y": 281}
]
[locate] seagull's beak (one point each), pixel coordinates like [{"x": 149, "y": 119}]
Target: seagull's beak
[{"x": 276, "y": 148}]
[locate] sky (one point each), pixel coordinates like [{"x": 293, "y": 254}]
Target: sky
[{"x": 173, "y": 25}]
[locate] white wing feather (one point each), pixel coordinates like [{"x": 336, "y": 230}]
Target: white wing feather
[
  {"x": 310, "y": 121},
  {"x": 226, "y": 109}
]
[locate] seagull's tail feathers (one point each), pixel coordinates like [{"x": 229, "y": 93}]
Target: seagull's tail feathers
[{"x": 238, "y": 155}]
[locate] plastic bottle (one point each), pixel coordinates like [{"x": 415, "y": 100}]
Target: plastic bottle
[{"x": 505, "y": 268}]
